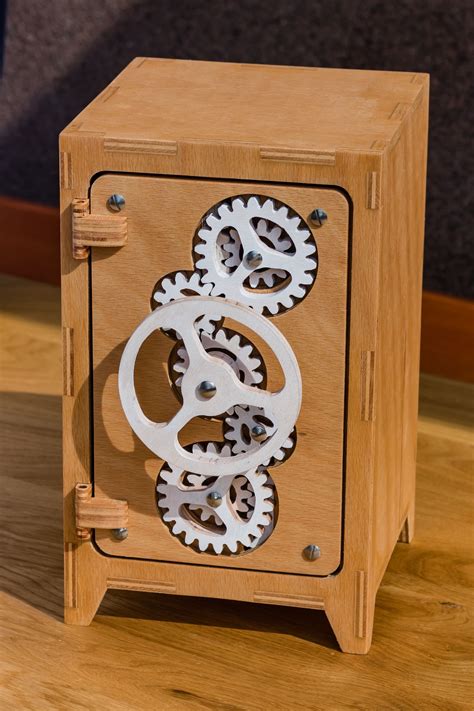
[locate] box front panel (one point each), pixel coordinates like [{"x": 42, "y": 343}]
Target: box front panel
[{"x": 305, "y": 490}]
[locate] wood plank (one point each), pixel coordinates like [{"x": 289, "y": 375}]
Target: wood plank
[{"x": 266, "y": 656}]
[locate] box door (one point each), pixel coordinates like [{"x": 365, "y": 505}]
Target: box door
[{"x": 183, "y": 241}]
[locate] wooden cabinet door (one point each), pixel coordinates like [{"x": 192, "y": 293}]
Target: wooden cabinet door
[{"x": 163, "y": 215}]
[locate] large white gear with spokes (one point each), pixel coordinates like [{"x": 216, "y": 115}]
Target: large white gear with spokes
[
  {"x": 238, "y": 215},
  {"x": 227, "y": 529},
  {"x": 178, "y": 285},
  {"x": 161, "y": 438},
  {"x": 239, "y": 423},
  {"x": 231, "y": 347}
]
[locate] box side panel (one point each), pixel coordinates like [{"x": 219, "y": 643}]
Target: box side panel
[{"x": 398, "y": 344}]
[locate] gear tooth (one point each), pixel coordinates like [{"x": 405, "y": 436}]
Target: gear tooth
[
  {"x": 201, "y": 247},
  {"x": 177, "y": 527},
  {"x": 253, "y": 203},
  {"x": 213, "y": 220},
  {"x": 189, "y": 537},
  {"x": 206, "y": 514},
  {"x": 276, "y": 233},
  {"x": 225, "y": 451},
  {"x": 273, "y": 308},
  {"x": 254, "y": 280},
  {"x": 269, "y": 278},
  {"x": 237, "y": 204},
  {"x": 218, "y": 546},
  {"x": 202, "y": 545},
  {"x": 200, "y": 262},
  {"x": 232, "y": 546}
]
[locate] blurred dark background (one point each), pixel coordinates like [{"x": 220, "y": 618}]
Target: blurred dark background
[{"x": 59, "y": 54}]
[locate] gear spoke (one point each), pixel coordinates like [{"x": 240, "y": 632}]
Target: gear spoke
[{"x": 279, "y": 252}]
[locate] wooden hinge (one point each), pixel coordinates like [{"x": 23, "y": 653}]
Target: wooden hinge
[
  {"x": 95, "y": 230},
  {"x": 97, "y": 512}
]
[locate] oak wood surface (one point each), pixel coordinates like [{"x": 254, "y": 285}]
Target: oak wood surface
[
  {"x": 165, "y": 652},
  {"x": 315, "y": 329},
  {"x": 137, "y": 141},
  {"x": 297, "y": 113}
]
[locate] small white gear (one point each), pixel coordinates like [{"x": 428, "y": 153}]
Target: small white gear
[
  {"x": 274, "y": 235},
  {"x": 232, "y": 347},
  {"x": 177, "y": 285},
  {"x": 237, "y": 432},
  {"x": 232, "y": 279},
  {"x": 223, "y": 528}
]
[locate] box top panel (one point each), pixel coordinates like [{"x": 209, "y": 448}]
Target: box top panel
[{"x": 291, "y": 107}]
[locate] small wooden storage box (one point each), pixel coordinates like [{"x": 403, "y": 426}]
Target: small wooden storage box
[{"x": 242, "y": 261}]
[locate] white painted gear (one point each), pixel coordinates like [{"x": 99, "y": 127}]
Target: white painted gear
[
  {"x": 238, "y": 426},
  {"x": 231, "y": 531},
  {"x": 232, "y": 348},
  {"x": 177, "y": 285},
  {"x": 244, "y": 504},
  {"x": 274, "y": 235},
  {"x": 162, "y": 438},
  {"x": 243, "y": 498},
  {"x": 211, "y": 254}
]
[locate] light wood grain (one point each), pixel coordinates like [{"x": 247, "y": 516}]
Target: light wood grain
[
  {"x": 366, "y": 157},
  {"x": 160, "y": 242},
  {"x": 158, "y": 651}
]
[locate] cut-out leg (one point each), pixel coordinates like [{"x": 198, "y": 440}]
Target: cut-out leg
[
  {"x": 408, "y": 529},
  {"x": 351, "y": 616},
  {"x": 84, "y": 584}
]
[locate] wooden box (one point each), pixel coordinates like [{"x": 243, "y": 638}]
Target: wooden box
[{"x": 241, "y": 271}]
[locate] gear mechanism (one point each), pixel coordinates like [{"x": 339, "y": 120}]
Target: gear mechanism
[
  {"x": 246, "y": 241},
  {"x": 177, "y": 285},
  {"x": 229, "y": 346},
  {"x": 238, "y": 433},
  {"x": 224, "y": 527}
]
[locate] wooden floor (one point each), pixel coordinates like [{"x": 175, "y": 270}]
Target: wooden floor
[{"x": 163, "y": 652}]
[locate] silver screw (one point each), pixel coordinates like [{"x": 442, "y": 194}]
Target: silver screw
[
  {"x": 207, "y": 389},
  {"x": 253, "y": 259},
  {"x": 258, "y": 433},
  {"x": 120, "y": 533},
  {"x": 311, "y": 552},
  {"x": 214, "y": 499},
  {"x": 116, "y": 202},
  {"x": 318, "y": 217}
]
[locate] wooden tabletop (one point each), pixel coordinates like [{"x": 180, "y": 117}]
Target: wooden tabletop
[{"x": 164, "y": 652}]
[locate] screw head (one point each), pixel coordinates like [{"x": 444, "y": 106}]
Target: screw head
[
  {"x": 207, "y": 389},
  {"x": 253, "y": 259},
  {"x": 120, "y": 534},
  {"x": 318, "y": 217},
  {"x": 258, "y": 433},
  {"x": 214, "y": 499},
  {"x": 311, "y": 552},
  {"x": 116, "y": 202}
]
